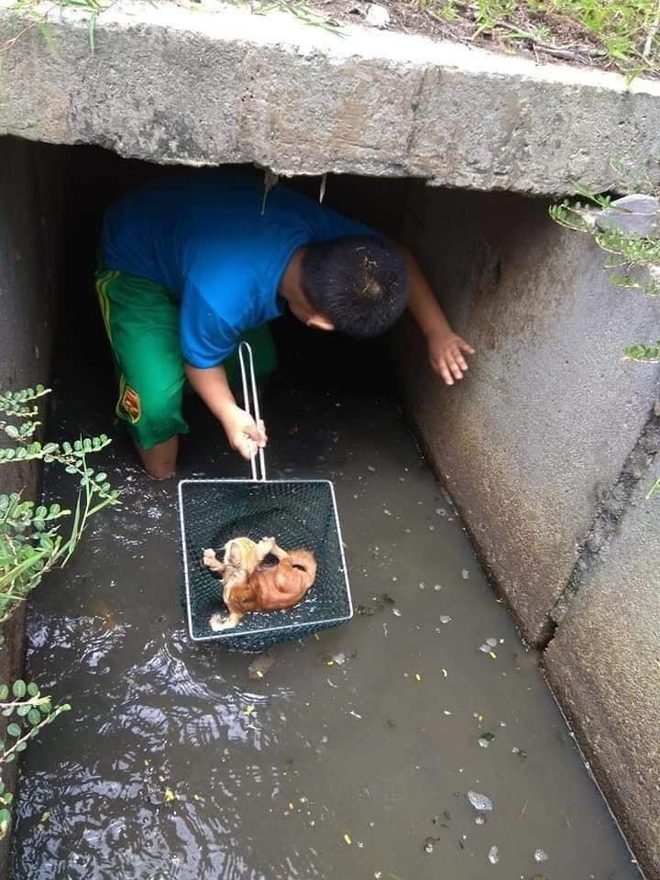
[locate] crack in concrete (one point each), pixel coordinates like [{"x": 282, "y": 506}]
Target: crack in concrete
[{"x": 612, "y": 507}]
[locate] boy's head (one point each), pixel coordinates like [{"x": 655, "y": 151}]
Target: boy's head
[{"x": 359, "y": 283}]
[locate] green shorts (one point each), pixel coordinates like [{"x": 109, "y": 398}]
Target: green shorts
[{"x": 142, "y": 322}]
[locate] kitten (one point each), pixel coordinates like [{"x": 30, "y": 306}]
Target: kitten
[{"x": 263, "y": 586}]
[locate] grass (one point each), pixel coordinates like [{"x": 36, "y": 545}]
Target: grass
[{"x": 620, "y": 34}]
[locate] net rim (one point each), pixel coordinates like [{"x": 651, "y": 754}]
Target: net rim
[{"x": 282, "y": 628}]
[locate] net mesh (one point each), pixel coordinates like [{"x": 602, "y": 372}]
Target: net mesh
[{"x": 297, "y": 514}]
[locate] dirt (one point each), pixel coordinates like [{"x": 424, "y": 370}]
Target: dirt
[{"x": 564, "y": 41}]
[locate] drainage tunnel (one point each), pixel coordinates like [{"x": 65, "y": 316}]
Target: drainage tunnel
[{"x": 421, "y": 737}]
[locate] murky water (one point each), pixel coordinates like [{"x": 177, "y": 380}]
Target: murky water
[{"x": 355, "y": 755}]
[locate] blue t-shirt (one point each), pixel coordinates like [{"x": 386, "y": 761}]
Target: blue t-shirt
[{"x": 205, "y": 239}]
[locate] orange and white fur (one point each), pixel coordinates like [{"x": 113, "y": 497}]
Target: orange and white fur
[{"x": 250, "y": 582}]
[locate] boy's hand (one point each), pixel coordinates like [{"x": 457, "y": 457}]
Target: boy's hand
[
  {"x": 243, "y": 433},
  {"x": 446, "y": 352}
]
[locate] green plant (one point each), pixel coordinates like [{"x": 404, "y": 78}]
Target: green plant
[
  {"x": 39, "y": 15},
  {"x": 633, "y": 262},
  {"x": 31, "y": 544},
  {"x": 615, "y": 33}
]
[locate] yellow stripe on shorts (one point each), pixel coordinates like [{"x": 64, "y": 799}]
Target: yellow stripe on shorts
[{"x": 104, "y": 302}]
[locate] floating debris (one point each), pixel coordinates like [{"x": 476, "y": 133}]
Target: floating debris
[
  {"x": 540, "y": 855},
  {"x": 486, "y": 739},
  {"x": 397, "y": 612},
  {"x": 422, "y": 585},
  {"x": 480, "y": 820},
  {"x": 261, "y": 665},
  {"x": 445, "y": 618},
  {"x": 480, "y": 802},
  {"x": 441, "y": 511},
  {"x": 437, "y": 587},
  {"x": 347, "y": 839},
  {"x": 418, "y": 677},
  {"x": 379, "y": 603},
  {"x": 493, "y": 855},
  {"x": 519, "y": 753},
  {"x": 488, "y": 646},
  {"x": 429, "y": 844},
  {"x": 371, "y": 468},
  {"x": 465, "y": 573}
]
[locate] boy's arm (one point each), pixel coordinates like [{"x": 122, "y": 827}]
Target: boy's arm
[
  {"x": 243, "y": 433},
  {"x": 446, "y": 349}
]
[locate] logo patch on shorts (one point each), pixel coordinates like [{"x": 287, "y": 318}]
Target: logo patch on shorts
[{"x": 130, "y": 403}]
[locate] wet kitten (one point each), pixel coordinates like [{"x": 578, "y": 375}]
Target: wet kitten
[{"x": 266, "y": 586}]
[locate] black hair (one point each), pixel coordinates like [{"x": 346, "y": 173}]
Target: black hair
[{"x": 359, "y": 282}]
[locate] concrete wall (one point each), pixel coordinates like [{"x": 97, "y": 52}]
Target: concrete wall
[
  {"x": 214, "y": 84},
  {"x": 31, "y": 187},
  {"x": 547, "y": 447},
  {"x": 604, "y": 666}
]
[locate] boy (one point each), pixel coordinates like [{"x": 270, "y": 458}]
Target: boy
[{"x": 194, "y": 262}]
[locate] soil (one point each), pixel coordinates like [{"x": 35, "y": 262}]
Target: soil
[{"x": 569, "y": 42}]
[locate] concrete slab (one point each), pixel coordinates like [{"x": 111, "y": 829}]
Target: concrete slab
[
  {"x": 215, "y": 84},
  {"x": 526, "y": 442},
  {"x": 604, "y": 664}
]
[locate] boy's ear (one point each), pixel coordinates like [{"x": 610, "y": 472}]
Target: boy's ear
[{"x": 320, "y": 322}]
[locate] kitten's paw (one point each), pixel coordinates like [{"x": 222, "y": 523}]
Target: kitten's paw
[{"x": 218, "y": 622}]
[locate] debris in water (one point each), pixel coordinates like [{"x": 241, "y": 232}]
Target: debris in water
[
  {"x": 519, "y": 753},
  {"x": 169, "y": 796},
  {"x": 445, "y": 618},
  {"x": 249, "y": 710},
  {"x": 418, "y": 677},
  {"x": 480, "y": 820},
  {"x": 347, "y": 839},
  {"x": 486, "y": 739},
  {"x": 465, "y": 573},
  {"x": 493, "y": 855},
  {"x": 540, "y": 855},
  {"x": 371, "y": 468},
  {"x": 488, "y": 646},
  {"x": 429, "y": 844},
  {"x": 437, "y": 587},
  {"x": 441, "y": 511},
  {"x": 260, "y": 665},
  {"x": 396, "y": 612},
  {"x": 379, "y": 603},
  {"x": 480, "y": 802},
  {"x": 422, "y": 585}
]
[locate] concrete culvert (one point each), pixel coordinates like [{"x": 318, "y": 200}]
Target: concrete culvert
[{"x": 354, "y": 755}]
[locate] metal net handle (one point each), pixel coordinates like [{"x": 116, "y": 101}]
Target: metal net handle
[{"x": 251, "y": 406}]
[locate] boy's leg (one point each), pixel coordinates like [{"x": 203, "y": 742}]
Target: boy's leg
[{"x": 141, "y": 320}]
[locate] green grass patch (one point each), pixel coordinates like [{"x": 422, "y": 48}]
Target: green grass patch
[{"x": 619, "y": 34}]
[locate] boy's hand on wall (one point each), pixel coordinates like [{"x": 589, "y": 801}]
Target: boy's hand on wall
[
  {"x": 447, "y": 355},
  {"x": 243, "y": 433}
]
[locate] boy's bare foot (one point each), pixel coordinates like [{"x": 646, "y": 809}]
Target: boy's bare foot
[{"x": 160, "y": 461}]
